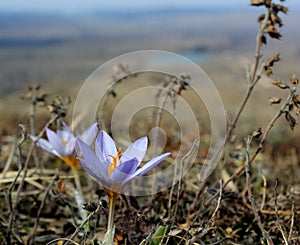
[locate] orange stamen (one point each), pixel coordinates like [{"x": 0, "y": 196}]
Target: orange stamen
[
  {"x": 113, "y": 164},
  {"x": 64, "y": 142}
]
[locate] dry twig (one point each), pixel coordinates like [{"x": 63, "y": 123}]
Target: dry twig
[{"x": 250, "y": 195}]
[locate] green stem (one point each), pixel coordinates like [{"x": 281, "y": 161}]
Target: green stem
[{"x": 110, "y": 233}]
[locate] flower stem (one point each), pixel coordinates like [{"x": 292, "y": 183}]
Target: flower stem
[
  {"x": 77, "y": 180},
  {"x": 110, "y": 228},
  {"x": 79, "y": 197}
]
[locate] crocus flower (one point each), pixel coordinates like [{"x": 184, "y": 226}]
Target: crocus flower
[
  {"x": 62, "y": 143},
  {"x": 112, "y": 168}
]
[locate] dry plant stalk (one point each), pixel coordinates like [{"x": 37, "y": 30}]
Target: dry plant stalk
[
  {"x": 267, "y": 26},
  {"x": 281, "y": 111},
  {"x": 250, "y": 195}
]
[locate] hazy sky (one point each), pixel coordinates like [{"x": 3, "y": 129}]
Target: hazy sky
[{"x": 74, "y": 6}]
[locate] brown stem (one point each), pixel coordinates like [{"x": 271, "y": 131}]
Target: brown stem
[
  {"x": 254, "y": 77},
  {"x": 264, "y": 137},
  {"x": 33, "y": 231},
  {"x": 250, "y": 195}
]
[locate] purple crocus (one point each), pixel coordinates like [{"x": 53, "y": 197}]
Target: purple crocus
[
  {"x": 62, "y": 143},
  {"x": 112, "y": 168}
]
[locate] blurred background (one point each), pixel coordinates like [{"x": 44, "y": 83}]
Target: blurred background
[{"x": 58, "y": 44}]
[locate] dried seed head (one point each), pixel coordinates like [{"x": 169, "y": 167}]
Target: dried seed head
[
  {"x": 294, "y": 79},
  {"x": 291, "y": 120},
  {"x": 269, "y": 72},
  {"x": 296, "y": 100},
  {"x": 257, "y": 2},
  {"x": 297, "y": 111},
  {"x": 273, "y": 59},
  {"x": 261, "y": 18},
  {"x": 280, "y": 8},
  {"x": 274, "y": 100},
  {"x": 281, "y": 84},
  {"x": 59, "y": 106},
  {"x": 272, "y": 31},
  {"x": 275, "y": 19},
  {"x": 270, "y": 63},
  {"x": 257, "y": 133},
  {"x": 268, "y": 3},
  {"x": 263, "y": 39}
]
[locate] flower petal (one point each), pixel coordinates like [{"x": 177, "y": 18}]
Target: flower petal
[
  {"x": 105, "y": 146},
  {"x": 124, "y": 171},
  {"x": 45, "y": 145},
  {"x": 91, "y": 171},
  {"x": 67, "y": 137},
  {"x": 70, "y": 146},
  {"x": 149, "y": 165},
  {"x": 66, "y": 133},
  {"x": 92, "y": 164},
  {"x": 56, "y": 142},
  {"x": 89, "y": 135},
  {"x": 136, "y": 150}
]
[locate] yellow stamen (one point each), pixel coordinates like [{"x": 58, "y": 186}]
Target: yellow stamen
[
  {"x": 113, "y": 164},
  {"x": 64, "y": 142}
]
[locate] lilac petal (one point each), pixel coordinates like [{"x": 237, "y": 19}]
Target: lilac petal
[
  {"x": 56, "y": 142},
  {"x": 99, "y": 152},
  {"x": 124, "y": 171},
  {"x": 45, "y": 145},
  {"x": 66, "y": 133},
  {"x": 89, "y": 135},
  {"x": 150, "y": 165},
  {"x": 91, "y": 163},
  {"x": 91, "y": 171},
  {"x": 136, "y": 150},
  {"x": 105, "y": 146},
  {"x": 70, "y": 146},
  {"x": 68, "y": 137}
]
